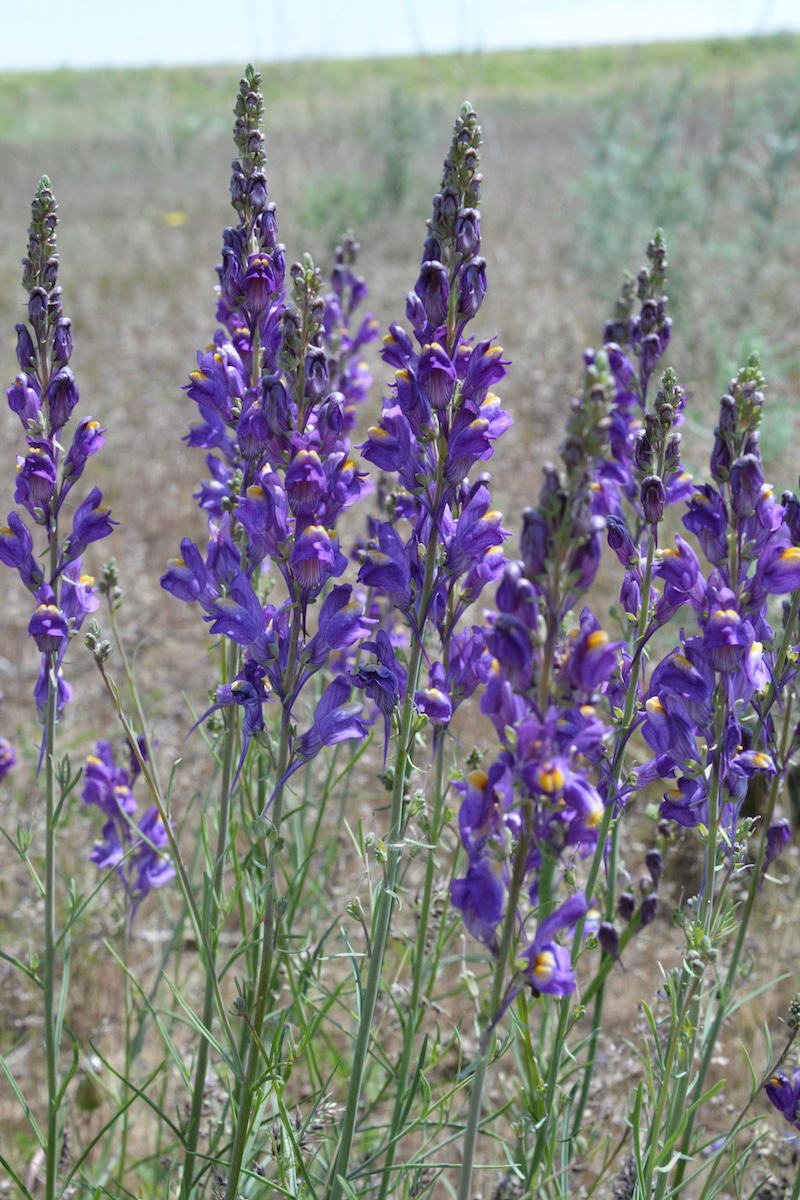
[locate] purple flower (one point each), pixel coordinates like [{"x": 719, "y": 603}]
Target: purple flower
[
  {"x": 315, "y": 558},
  {"x": 149, "y": 860},
  {"x": 238, "y": 616},
  {"x": 785, "y": 1095},
  {"x": 545, "y": 965},
  {"x": 187, "y": 577},
  {"x": 49, "y": 628},
  {"x": 779, "y": 570},
  {"x": 90, "y": 523},
  {"x": 336, "y": 720},
  {"x": 479, "y": 896},
  {"x": 592, "y": 657},
  {"x": 61, "y": 397}
]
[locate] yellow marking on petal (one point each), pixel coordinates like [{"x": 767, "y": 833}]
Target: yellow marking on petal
[
  {"x": 727, "y": 614},
  {"x": 595, "y": 816},
  {"x": 255, "y": 492},
  {"x": 762, "y": 760},
  {"x": 377, "y": 432},
  {"x": 587, "y": 710},
  {"x": 402, "y": 375},
  {"x": 94, "y": 760},
  {"x": 790, "y": 554},
  {"x": 478, "y": 779},
  {"x": 86, "y": 580},
  {"x": 654, "y": 705},
  {"x": 551, "y": 779},
  {"x": 598, "y": 638},
  {"x": 544, "y": 967}
]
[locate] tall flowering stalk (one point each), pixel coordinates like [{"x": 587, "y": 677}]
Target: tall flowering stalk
[
  {"x": 44, "y": 396},
  {"x": 708, "y": 710},
  {"x": 276, "y": 397},
  {"x": 438, "y": 424}
]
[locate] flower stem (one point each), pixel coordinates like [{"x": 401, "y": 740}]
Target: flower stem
[
  {"x": 51, "y": 1020},
  {"x": 495, "y": 1000},
  {"x": 212, "y": 929}
]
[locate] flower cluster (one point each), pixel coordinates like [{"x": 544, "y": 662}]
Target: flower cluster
[
  {"x": 44, "y": 396},
  {"x": 706, "y": 711},
  {"x": 137, "y": 851},
  {"x": 538, "y": 809},
  {"x": 439, "y": 422},
  {"x": 276, "y": 396}
]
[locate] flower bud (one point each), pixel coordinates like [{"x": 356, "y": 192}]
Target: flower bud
[
  {"x": 433, "y": 289},
  {"x": 468, "y": 231},
  {"x": 654, "y": 863},
  {"x": 62, "y": 343},
  {"x": 649, "y": 909},
  {"x": 471, "y": 288},
  {"x": 26, "y": 351},
  {"x": 608, "y": 938},
  {"x": 653, "y": 499}
]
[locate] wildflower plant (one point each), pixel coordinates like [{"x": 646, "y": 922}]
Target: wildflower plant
[
  {"x": 294, "y": 1042},
  {"x": 44, "y": 396}
]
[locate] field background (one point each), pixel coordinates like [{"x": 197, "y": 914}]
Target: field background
[{"x": 586, "y": 153}]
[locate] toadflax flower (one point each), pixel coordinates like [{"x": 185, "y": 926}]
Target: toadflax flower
[{"x": 136, "y": 851}]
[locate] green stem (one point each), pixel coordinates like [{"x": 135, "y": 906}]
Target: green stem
[
  {"x": 51, "y": 1021},
  {"x": 495, "y": 1000},
  {"x": 388, "y": 893},
  {"x": 676, "y": 1031},
  {"x": 733, "y": 966},
  {"x": 212, "y": 909},
  {"x": 269, "y": 934},
  {"x": 414, "y": 1010}
]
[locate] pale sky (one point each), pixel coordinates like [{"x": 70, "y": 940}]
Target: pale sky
[{"x": 43, "y": 34}]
